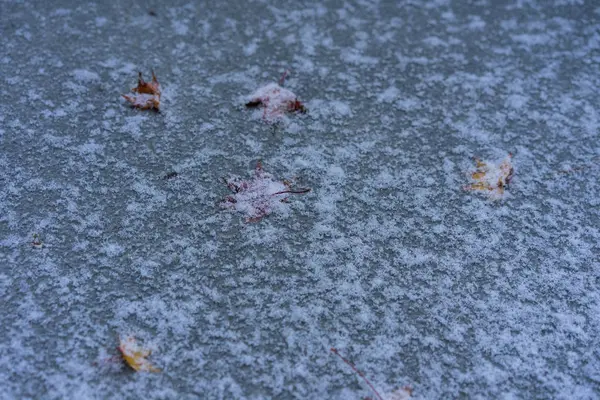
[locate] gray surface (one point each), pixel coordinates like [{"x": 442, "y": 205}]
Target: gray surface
[{"x": 388, "y": 259}]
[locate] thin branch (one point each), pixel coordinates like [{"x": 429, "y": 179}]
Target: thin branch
[
  {"x": 282, "y": 79},
  {"x": 301, "y": 191},
  {"x": 362, "y": 375}
]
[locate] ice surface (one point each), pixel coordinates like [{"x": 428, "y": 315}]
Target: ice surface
[{"x": 388, "y": 259}]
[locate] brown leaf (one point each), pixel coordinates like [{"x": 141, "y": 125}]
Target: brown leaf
[{"x": 147, "y": 94}]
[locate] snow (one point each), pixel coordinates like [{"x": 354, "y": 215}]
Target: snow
[
  {"x": 85, "y": 76},
  {"x": 101, "y": 21},
  {"x": 389, "y": 95},
  {"x": 417, "y": 281}
]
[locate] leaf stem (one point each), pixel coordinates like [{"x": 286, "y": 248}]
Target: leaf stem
[{"x": 362, "y": 375}]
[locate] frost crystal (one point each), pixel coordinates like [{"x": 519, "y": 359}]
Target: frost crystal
[
  {"x": 260, "y": 196},
  {"x": 492, "y": 178}
]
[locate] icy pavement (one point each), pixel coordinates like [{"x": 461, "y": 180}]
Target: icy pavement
[{"x": 388, "y": 258}]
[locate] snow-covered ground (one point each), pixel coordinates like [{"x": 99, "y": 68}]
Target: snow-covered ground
[{"x": 388, "y": 258}]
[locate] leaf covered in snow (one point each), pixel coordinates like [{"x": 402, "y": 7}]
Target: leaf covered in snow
[
  {"x": 259, "y": 196},
  {"x": 275, "y": 100},
  {"x": 492, "y": 178},
  {"x": 135, "y": 356},
  {"x": 147, "y": 94}
]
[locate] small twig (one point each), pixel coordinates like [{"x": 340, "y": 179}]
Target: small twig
[
  {"x": 301, "y": 191},
  {"x": 282, "y": 79},
  {"x": 362, "y": 375}
]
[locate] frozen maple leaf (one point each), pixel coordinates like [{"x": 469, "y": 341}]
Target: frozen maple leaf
[
  {"x": 135, "y": 356},
  {"x": 275, "y": 100},
  {"x": 147, "y": 94},
  {"x": 259, "y": 196},
  {"x": 492, "y": 178}
]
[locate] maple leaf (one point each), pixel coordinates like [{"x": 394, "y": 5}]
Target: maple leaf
[
  {"x": 135, "y": 356},
  {"x": 259, "y": 196},
  {"x": 492, "y": 178},
  {"x": 275, "y": 100},
  {"x": 147, "y": 94}
]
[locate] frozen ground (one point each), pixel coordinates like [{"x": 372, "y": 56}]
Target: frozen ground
[{"x": 388, "y": 259}]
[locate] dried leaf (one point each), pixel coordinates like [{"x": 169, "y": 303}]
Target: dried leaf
[
  {"x": 147, "y": 94},
  {"x": 259, "y": 196},
  {"x": 135, "y": 356},
  {"x": 275, "y": 100},
  {"x": 492, "y": 178}
]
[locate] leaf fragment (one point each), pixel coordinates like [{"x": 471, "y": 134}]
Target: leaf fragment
[
  {"x": 135, "y": 356},
  {"x": 492, "y": 178},
  {"x": 37, "y": 243},
  {"x": 147, "y": 94}
]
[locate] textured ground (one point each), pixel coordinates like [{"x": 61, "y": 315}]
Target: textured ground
[{"x": 416, "y": 280}]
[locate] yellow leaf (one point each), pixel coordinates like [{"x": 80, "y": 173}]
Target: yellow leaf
[
  {"x": 492, "y": 178},
  {"x": 135, "y": 356}
]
